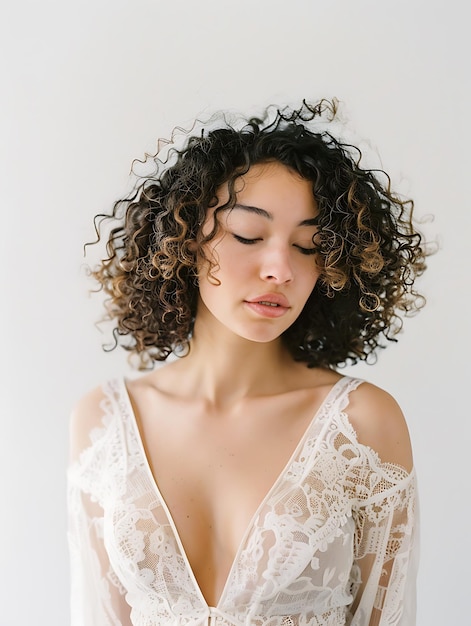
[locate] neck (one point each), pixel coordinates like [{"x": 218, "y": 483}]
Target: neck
[{"x": 224, "y": 367}]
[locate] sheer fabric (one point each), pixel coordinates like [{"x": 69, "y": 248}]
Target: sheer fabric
[{"x": 333, "y": 543}]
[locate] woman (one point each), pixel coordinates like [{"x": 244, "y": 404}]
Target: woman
[{"x": 247, "y": 481}]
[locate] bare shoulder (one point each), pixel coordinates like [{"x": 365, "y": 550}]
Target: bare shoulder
[
  {"x": 380, "y": 424},
  {"x": 86, "y": 416},
  {"x": 164, "y": 379}
]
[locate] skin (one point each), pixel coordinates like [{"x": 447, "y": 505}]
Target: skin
[{"x": 240, "y": 413}]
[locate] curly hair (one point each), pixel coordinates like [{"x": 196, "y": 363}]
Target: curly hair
[{"x": 369, "y": 251}]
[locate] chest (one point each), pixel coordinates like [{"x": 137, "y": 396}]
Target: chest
[
  {"x": 216, "y": 467},
  {"x": 226, "y": 511}
]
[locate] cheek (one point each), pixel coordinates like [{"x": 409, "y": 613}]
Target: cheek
[
  {"x": 310, "y": 271},
  {"x": 312, "y": 276},
  {"x": 310, "y": 286},
  {"x": 209, "y": 264},
  {"x": 226, "y": 261}
]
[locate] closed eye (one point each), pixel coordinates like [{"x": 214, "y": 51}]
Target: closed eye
[
  {"x": 246, "y": 241},
  {"x": 306, "y": 250}
]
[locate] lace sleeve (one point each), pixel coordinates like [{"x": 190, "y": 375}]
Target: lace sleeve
[
  {"x": 97, "y": 596},
  {"x": 386, "y": 547}
]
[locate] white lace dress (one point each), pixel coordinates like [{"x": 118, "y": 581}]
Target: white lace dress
[{"x": 332, "y": 544}]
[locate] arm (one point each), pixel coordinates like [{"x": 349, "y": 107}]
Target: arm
[
  {"x": 97, "y": 597},
  {"x": 386, "y": 546}
]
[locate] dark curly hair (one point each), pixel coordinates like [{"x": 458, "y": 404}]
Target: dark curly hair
[{"x": 368, "y": 248}]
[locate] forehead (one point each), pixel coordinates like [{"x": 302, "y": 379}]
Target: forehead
[{"x": 273, "y": 187}]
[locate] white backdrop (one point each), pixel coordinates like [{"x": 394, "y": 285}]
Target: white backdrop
[{"x": 87, "y": 86}]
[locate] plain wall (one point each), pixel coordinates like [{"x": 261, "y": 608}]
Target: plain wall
[{"x": 86, "y": 87}]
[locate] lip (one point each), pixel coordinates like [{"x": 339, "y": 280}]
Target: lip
[
  {"x": 269, "y": 305},
  {"x": 272, "y": 298}
]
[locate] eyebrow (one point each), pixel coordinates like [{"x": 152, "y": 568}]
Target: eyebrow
[{"x": 313, "y": 221}]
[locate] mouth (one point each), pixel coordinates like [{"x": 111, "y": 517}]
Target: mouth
[
  {"x": 266, "y": 303},
  {"x": 270, "y": 299},
  {"x": 269, "y": 305}
]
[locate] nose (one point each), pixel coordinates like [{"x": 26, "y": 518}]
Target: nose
[{"x": 276, "y": 265}]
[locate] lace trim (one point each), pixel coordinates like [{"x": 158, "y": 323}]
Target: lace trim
[{"x": 334, "y": 501}]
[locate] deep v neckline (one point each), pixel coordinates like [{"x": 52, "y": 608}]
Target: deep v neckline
[{"x": 147, "y": 467}]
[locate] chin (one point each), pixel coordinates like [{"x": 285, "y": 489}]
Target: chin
[{"x": 262, "y": 337}]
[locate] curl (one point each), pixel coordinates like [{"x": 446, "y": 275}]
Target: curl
[{"x": 368, "y": 249}]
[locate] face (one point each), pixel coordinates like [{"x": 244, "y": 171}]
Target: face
[{"x": 265, "y": 263}]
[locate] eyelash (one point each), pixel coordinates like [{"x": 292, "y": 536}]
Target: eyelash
[{"x": 249, "y": 242}]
